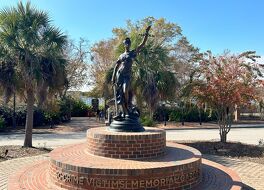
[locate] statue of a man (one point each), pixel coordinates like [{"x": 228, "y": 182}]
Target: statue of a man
[{"x": 122, "y": 74}]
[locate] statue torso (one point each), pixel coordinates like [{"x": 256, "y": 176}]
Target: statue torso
[{"x": 126, "y": 60}]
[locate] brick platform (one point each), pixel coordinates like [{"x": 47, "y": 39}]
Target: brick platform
[
  {"x": 126, "y": 145},
  {"x": 73, "y": 166},
  {"x": 130, "y": 161},
  {"x": 35, "y": 177}
]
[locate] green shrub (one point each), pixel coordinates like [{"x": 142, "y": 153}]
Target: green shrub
[
  {"x": 161, "y": 113},
  {"x": 41, "y": 116},
  {"x": 79, "y": 109},
  {"x": 52, "y": 118},
  {"x": 191, "y": 115},
  {"x": 147, "y": 121},
  {"x": 7, "y": 114},
  {"x": 21, "y": 114},
  {"x": 2, "y": 122},
  {"x": 65, "y": 109},
  {"x": 175, "y": 115}
]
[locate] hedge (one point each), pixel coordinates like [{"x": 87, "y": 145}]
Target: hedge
[{"x": 189, "y": 115}]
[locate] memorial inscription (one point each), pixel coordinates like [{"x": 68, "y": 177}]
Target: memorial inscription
[{"x": 124, "y": 183}]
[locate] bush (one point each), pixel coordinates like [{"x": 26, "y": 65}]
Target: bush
[
  {"x": 41, "y": 116},
  {"x": 176, "y": 115},
  {"x": 7, "y": 114},
  {"x": 79, "y": 109},
  {"x": 52, "y": 118},
  {"x": 161, "y": 113},
  {"x": 21, "y": 114},
  {"x": 189, "y": 115},
  {"x": 2, "y": 122},
  {"x": 147, "y": 121},
  {"x": 57, "y": 112},
  {"x": 65, "y": 109}
]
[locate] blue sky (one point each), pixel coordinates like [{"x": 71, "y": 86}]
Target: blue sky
[{"x": 237, "y": 25}]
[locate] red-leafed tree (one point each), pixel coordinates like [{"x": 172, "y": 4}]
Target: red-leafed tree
[{"x": 225, "y": 82}]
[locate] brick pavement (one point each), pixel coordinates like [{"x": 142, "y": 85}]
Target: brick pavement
[
  {"x": 10, "y": 166},
  {"x": 252, "y": 174}
]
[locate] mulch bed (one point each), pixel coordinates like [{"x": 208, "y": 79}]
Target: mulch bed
[
  {"x": 236, "y": 150},
  {"x": 10, "y": 152}
]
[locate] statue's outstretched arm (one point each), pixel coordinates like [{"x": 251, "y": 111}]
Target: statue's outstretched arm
[{"x": 139, "y": 48}]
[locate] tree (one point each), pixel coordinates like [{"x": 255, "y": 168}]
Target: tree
[
  {"x": 36, "y": 47},
  {"x": 185, "y": 58},
  {"x": 7, "y": 75},
  {"x": 225, "y": 82},
  {"x": 103, "y": 58},
  {"x": 8, "y": 81},
  {"x": 77, "y": 64}
]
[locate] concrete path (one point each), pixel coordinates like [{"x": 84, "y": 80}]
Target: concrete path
[
  {"x": 45, "y": 140},
  {"x": 244, "y": 135},
  {"x": 75, "y": 132}
]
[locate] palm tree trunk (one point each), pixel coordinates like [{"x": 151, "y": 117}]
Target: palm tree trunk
[{"x": 29, "y": 119}]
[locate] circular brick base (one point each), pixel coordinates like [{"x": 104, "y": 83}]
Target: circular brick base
[
  {"x": 73, "y": 166},
  {"x": 126, "y": 145},
  {"x": 36, "y": 177},
  {"x": 125, "y": 161}
]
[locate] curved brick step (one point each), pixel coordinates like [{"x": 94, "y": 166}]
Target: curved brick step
[
  {"x": 71, "y": 167},
  {"x": 130, "y": 161},
  {"x": 35, "y": 177}
]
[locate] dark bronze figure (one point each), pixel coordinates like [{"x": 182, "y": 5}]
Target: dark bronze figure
[{"x": 125, "y": 119}]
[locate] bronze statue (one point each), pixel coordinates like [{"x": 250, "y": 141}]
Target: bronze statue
[
  {"x": 121, "y": 80},
  {"x": 122, "y": 74}
]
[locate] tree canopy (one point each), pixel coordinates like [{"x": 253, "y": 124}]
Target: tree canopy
[
  {"x": 33, "y": 50},
  {"x": 226, "y": 81}
]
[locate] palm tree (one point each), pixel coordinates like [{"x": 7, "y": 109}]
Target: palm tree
[
  {"x": 152, "y": 77},
  {"x": 36, "y": 47}
]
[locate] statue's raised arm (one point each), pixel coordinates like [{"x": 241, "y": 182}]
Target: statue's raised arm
[{"x": 146, "y": 34}]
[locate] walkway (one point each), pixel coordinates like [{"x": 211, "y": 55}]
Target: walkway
[
  {"x": 75, "y": 132},
  {"x": 252, "y": 174}
]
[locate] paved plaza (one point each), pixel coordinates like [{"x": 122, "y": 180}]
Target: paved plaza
[{"x": 252, "y": 174}]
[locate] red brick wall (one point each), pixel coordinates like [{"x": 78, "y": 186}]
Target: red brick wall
[
  {"x": 127, "y": 145},
  {"x": 173, "y": 178}
]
